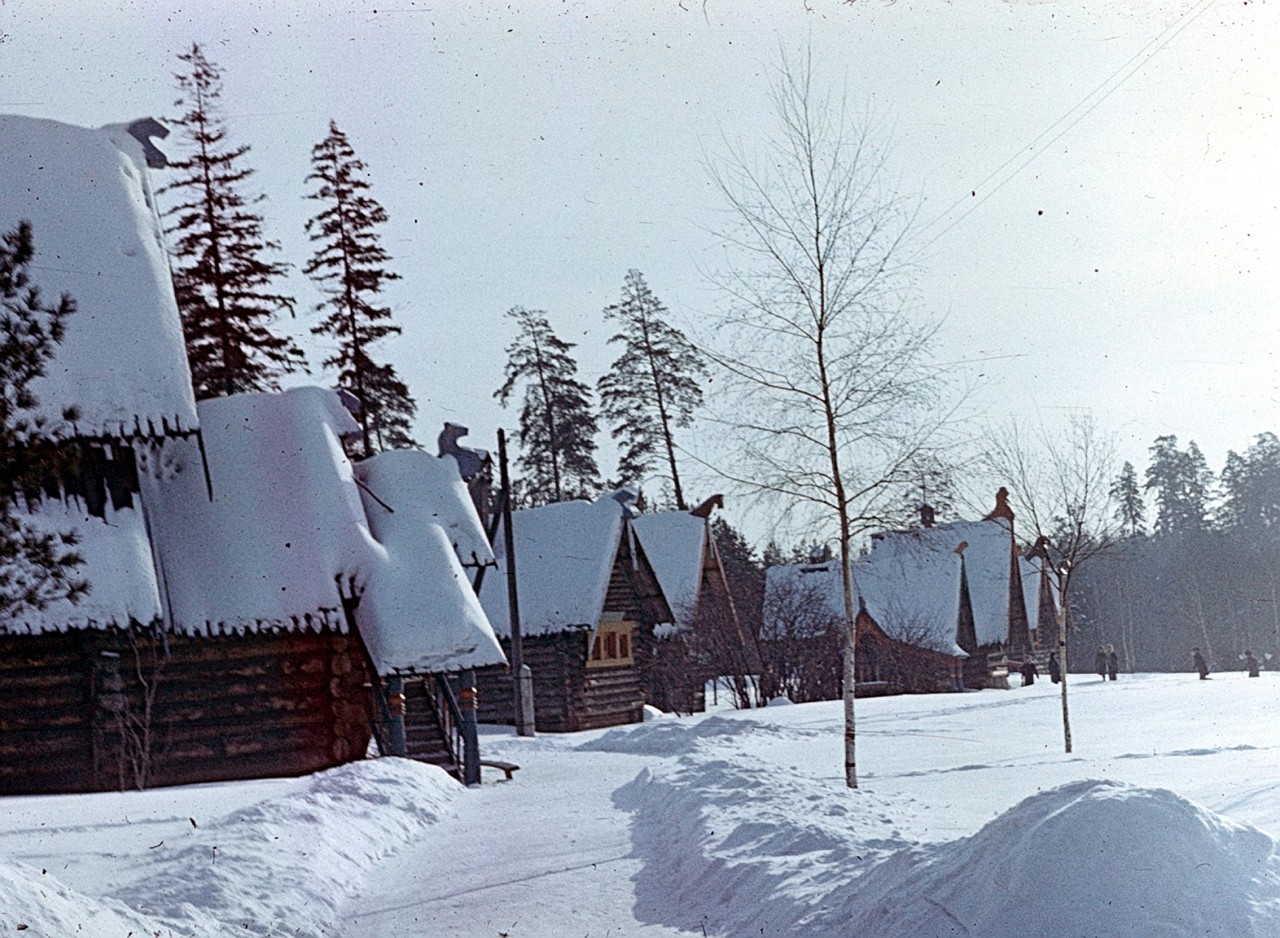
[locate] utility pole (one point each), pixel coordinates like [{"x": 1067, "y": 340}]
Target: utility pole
[{"x": 522, "y": 677}]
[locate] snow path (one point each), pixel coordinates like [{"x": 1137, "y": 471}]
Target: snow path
[{"x": 546, "y": 853}]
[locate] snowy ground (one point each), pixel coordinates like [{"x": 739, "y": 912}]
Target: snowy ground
[{"x": 971, "y": 820}]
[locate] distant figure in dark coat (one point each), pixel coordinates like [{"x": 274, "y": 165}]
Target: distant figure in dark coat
[
  {"x": 1251, "y": 663},
  {"x": 1198, "y": 660},
  {"x": 1055, "y": 668},
  {"x": 1113, "y": 662},
  {"x": 1100, "y": 662},
  {"x": 1029, "y": 673}
]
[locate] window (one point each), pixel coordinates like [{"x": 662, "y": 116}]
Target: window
[{"x": 611, "y": 647}]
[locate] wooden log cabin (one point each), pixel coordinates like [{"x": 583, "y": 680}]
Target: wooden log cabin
[
  {"x": 588, "y": 604},
  {"x": 940, "y": 607},
  {"x": 683, "y": 553},
  {"x": 243, "y": 607}
]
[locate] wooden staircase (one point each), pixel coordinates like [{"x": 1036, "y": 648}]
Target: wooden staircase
[
  {"x": 425, "y": 733},
  {"x": 431, "y": 734}
]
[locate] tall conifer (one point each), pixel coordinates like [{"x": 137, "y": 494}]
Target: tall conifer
[
  {"x": 557, "y": 427},
  {"x": 654, "y": 387},
  {"x": 221, "y": 273},
  {"x": 1130, "y": 510},
  {"x": 350, "y": 266},
  {"x": 37, "y": 566}
]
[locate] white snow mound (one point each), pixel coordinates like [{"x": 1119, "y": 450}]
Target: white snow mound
[{"x": 1090, "y": 857}]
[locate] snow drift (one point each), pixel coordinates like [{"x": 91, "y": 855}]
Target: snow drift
[{"x": 1090, "y": 857}]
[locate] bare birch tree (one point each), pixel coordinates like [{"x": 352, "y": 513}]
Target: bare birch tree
[
  {"x": 824, "y": 360},
  {"x": 1062, "y": 497}
]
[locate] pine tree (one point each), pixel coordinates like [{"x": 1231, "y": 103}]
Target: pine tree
[
  {"x": 221, "y": 275},
  {"x": 1251, "y": 486},
  {"x": 557, "y": 427},
  {"x": 1130, "y": 510},
  {"x": 1200, "y": 486},
  {"x": 36, "y": 567},
  {"x": 654, "y": 386},
  {"x": 350, "y": 266},
  {"x": 1182, "y": 482}
]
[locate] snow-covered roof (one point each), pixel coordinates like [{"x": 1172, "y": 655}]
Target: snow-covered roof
[
  {"x": 1030, "y": 570},
  {"x": 418, "y": 605},
  {"x": 117, "y": 563},
  {"x": 98, "y": 237},
  {"x": 802, "y": 598},
  {"x": 911, "y": 579},
  {"x": 674, "y": 542},
  {"x": 286, "y": 537},
  {"x": 564, "y": 555},
  {"x": 910, "y": 582},
  {"x": 431, "y": 490}
]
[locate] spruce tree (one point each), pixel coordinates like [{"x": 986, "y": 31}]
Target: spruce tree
[
  {"x": 1251, "y": 487},
  {"x": 350, "y": 267},
  {"x": 1130, "y": 510},
  {"x": 36, "y": 567},
  {"x": 1182, "y": 483},
  {"x": 557, "y": 427},
  {"x": 654, "y": 386},
  {"x": 222, "y": 276}
]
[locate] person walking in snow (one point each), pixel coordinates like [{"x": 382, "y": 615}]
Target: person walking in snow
[
  {"x": 1113, "y": 662},
  {"x": 1100, "y": 662},
  {"x": 1251, "y": 663},
  {"x": 1029, "y": 672},
  {"x": 1198, "y": 660},
  {"x": 1055, "y": 668}
]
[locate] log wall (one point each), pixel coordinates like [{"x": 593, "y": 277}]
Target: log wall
[{"x": 95, "y": 710}]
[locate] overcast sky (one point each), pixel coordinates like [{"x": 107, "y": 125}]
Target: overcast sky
[{"x": 532, "y": 154}]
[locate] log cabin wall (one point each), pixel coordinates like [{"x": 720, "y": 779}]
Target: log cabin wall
[
  {"x": 97, "y": 710},
  {"x": 568, "y": 695},
  {"x": 558, "y": 662}
]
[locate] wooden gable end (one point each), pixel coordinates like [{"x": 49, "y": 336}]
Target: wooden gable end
[{"x": 634, "y": 592}]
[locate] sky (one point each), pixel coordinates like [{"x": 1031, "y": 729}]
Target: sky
[
  {"x": 723, "y": 823},
  {"x": 1097, "y": 193}
]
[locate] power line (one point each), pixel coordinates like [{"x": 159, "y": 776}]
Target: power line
[{"x": 1103, "y": 91}]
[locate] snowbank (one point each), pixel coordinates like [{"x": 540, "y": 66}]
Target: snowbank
[
  {"x": 98, "y": 237},
  {"x": 282, "y": 866},
  {"x": 1090, "y": 857}
]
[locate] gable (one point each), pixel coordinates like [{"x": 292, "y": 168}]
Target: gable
[{"x": 676, "y": 544}]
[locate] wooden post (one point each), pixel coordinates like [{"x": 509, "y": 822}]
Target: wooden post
[
  {"x": 470, "y": 737},
  {"x": 395, "y": 708},
  {"x": 109, "y": 705},
  {"x": 525, "y": 719},
  {"x": 523, "y": 711}
]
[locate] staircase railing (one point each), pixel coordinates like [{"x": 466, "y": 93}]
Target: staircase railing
[
  {"x": 450, "y": 715},
  {"x": 458, "y": 721}
]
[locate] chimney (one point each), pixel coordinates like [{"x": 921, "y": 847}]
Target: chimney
[{"x": 926, "y": 515}]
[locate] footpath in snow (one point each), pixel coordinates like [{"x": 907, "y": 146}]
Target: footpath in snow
[{"x": 971, "y": 820}]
